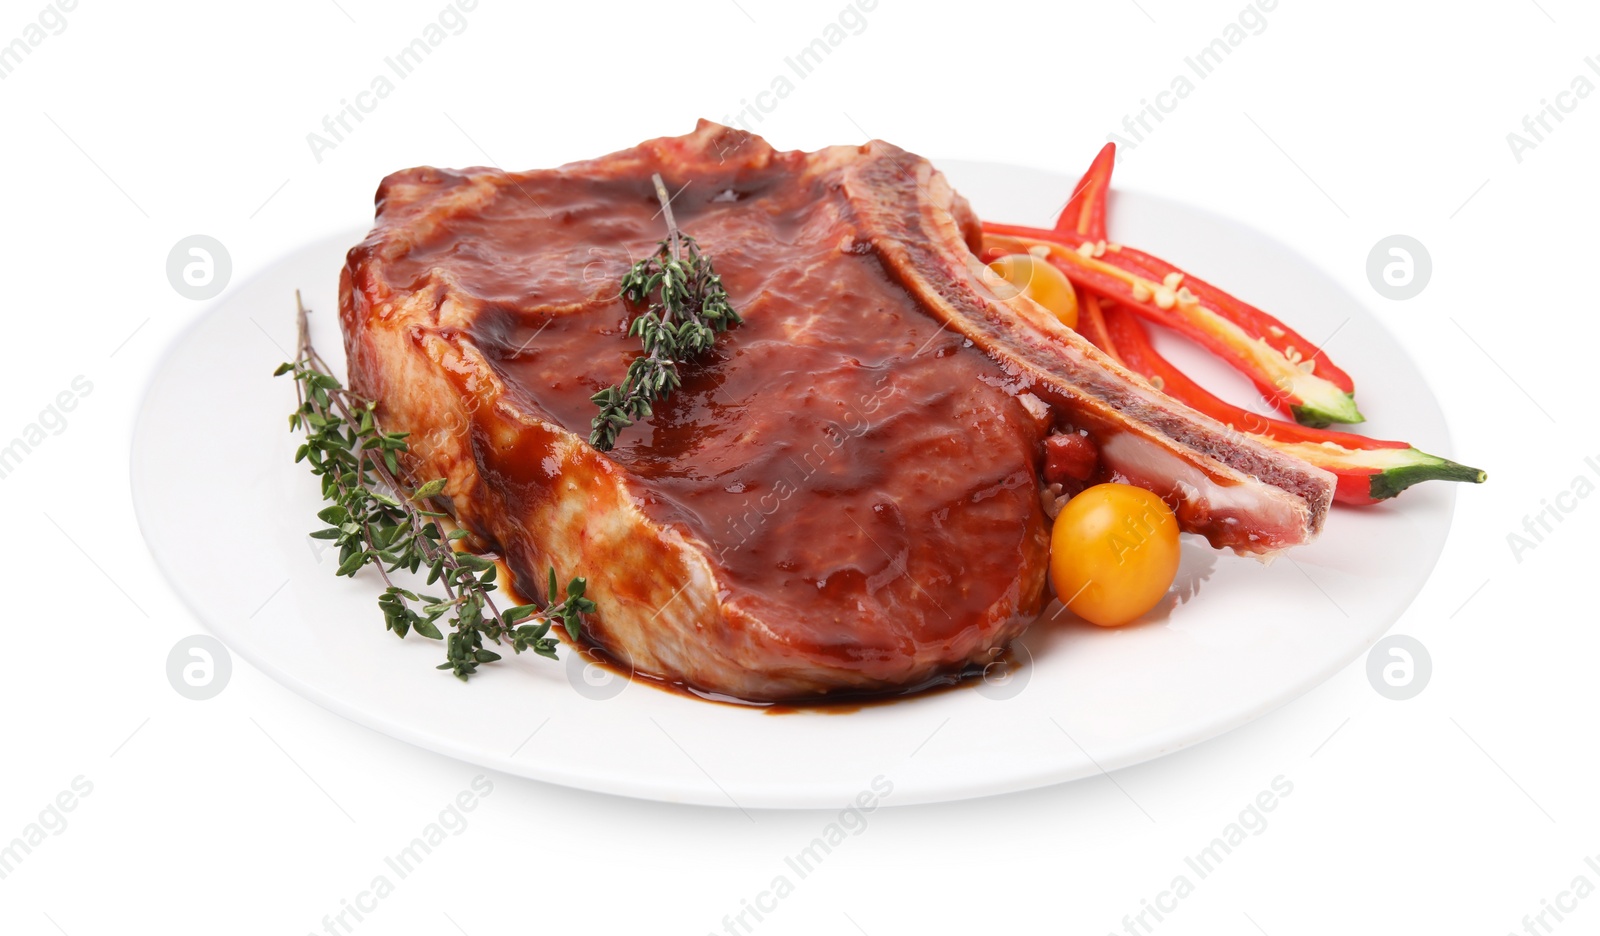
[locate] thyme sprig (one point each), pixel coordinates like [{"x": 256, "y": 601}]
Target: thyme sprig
[
  {"x": 686, "y": 308},
  {"x": 378, "y": 517}
]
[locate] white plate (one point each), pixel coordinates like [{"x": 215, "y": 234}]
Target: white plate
[{"x": 1250, "y": 638}]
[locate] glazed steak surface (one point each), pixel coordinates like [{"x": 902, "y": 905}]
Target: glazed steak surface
[
  {"x": 843, "y": 495},
  {"x": 838, "y": 497}
]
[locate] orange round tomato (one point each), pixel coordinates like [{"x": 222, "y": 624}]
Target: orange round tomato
[
  {"x": 1113, "y": 553},
  {"x": 1038, "y": 280}
]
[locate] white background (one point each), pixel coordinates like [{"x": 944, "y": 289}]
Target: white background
[{"x": 256, "y": 812}]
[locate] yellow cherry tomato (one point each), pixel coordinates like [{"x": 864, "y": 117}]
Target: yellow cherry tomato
[
  {"x": 1113, "y": 553},
  {"x": 1041, "y": 282}
]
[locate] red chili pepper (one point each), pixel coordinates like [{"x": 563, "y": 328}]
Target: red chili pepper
[
  {"x": 1368, "y": 470},
  {"x": 1275, "y": 333},
  {"x": 1294, "y": 382},
  {"x": 1085, "y": 211},
  {"x": 1092, "y": 324}
]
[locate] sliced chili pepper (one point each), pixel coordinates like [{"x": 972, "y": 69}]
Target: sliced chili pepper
[
  {"x": 1085, "y": 213},
  {"x": 1367, "y": 470},
  {"x": 1086, "y": 209},
  {"x": 1291, "y": 384},
  {"x": 1288, "y": 342},
  {"x": 1092, "y": 324}
]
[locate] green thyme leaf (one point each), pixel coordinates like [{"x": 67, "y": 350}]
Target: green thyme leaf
[
  {"x": 373, "y": 517},
  {"x": 686, "y": 307},
  {"x": 428, "y": 490}
]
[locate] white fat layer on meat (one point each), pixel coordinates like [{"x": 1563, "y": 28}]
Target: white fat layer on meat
[
  {"x": 1142, "y": 460},
  {"x": 1033, "y": 405}
]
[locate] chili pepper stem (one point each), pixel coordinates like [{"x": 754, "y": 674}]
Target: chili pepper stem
[{"x": 1422, "y": 467}]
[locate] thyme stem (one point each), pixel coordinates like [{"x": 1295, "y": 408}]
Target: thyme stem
[
  {"x": 686, "y": 307},
  {"x": 375, "y": 517}
]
